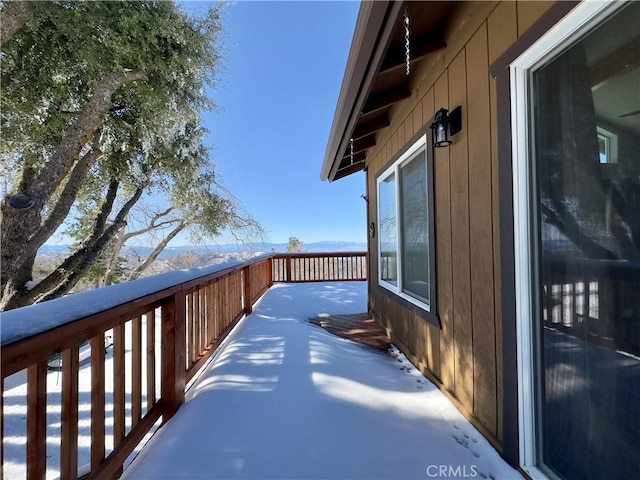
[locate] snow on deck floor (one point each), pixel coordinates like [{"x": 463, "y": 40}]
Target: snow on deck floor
[{"x": 285, "y": 399}]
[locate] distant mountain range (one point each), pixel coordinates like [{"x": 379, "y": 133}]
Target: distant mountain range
[{"x": 317, "y": 247}]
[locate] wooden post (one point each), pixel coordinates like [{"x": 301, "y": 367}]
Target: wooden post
[
  {"x": 37, "y": 421},
  {"x": 173, "y": 355},
  {"x": 270, "y": 271},
  {"x": 288, "y": 269},
  {"x": 246, "y": 275}
]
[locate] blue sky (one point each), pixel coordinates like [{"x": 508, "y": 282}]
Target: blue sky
[{"x": 277, "y": 95}]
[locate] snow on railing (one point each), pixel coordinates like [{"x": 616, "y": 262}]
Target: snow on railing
[{"x": 122, "y": 356}]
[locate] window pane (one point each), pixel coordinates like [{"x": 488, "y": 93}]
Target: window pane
[
  {"x": 589, "y": 243},
  {"x": 388, "y": 230},
  {"x": 415, "y": 228}
]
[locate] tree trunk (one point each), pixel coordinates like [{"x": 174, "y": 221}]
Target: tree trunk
[
  {"x": 112, "y": 261},
  {"x": 65, "y": 277},
  {"x": 13, "y": 16}
]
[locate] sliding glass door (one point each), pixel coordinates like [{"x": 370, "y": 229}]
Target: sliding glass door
[{"x": 582, "y": 102}]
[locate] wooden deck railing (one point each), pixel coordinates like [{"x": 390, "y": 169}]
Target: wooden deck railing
[
  {"x": 310, "y": 267},
  {"x": 159, "y": 342},
  {"x": 596, "y": 300}
]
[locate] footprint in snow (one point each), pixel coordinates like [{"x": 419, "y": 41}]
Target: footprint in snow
[{"x": 462, "y": 441}]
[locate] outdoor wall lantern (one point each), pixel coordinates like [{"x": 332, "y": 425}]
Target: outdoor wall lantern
[{"x": 445, "y": 125}]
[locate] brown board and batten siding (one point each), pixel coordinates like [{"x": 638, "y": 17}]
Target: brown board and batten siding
[{"x": 464, "y": 355}]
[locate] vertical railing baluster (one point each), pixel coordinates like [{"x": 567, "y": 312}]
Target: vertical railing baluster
[
  {"x": 151, "y": 359},
  {"x": 211, "y": 314},
  {"x": 206, "y": 334},
  {"x": 238, "y": 282},
  {"x": 136, "y": 373},
  {"x": 574, "y": 305},
  {"x": 97, "y": 400},
  {"x": 37, "y": 421},
  {"x": 219, "y": 307},
  {"x": 193, "y": 323},
  {"x": 200, "y": 317},
  {"x": 587, "y": 302},
  {"x": 246, "y": 272},
  {"x": 118, "y": 385},
  {"x": 216, "y": 309},
  {"x": 69, "y": 414},
  {"x": 1, "y": 427},
  {"x": 225, "y": 300}
]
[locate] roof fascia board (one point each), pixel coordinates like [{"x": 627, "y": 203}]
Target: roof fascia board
[{"x": 374, "y": 26}]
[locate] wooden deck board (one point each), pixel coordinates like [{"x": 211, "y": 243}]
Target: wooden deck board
[{"x": 359, "y": 328}]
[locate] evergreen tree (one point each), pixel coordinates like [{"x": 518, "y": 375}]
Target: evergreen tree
[{"x": 101, "y": 105}]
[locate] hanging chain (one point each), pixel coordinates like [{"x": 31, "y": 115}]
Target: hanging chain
[
  {"x": 351, "y": 149},
  {"x": 406, "y": 40}
]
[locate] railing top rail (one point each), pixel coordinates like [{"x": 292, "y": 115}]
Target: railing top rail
[
  {"x": 320, "y": 255},
  {"x": 21, "y": 323},
  {"x": 595, "y": 267}
]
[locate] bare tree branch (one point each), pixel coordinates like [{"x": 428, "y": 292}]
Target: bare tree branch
[
  {"x": 153, "y": 224},
  {"x": 157, "y": 251},
  {"x": 69, "y": 193}
]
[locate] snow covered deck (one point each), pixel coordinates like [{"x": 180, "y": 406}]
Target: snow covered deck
[{"x": 285, "y": 399}]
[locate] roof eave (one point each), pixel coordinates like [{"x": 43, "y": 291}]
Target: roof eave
[{"x": 370, "y": 40}]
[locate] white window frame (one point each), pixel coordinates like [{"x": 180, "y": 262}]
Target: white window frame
[
  {"x": 611, "y": 145},
  {"x": 578, "y": 22},
  {"x": 406, "y": 157}
]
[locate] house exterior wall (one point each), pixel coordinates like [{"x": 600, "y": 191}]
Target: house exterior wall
[{"x": 464, "y": 355}]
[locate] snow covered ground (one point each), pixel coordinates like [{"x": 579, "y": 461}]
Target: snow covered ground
[{"x": 284, "y": 399}]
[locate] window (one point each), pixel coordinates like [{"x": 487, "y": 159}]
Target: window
[
  {"x": 577, "y": 245},
  {"x": 405, "y": 259}
]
